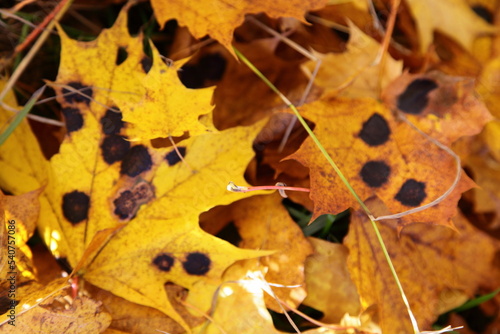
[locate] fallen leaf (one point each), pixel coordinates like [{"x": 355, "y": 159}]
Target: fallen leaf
[
  {"x": 276, "y": 231},
  {"x": 149, "y": 93},
  {"x": 355, "y": 73},
  {"x": 219, "y": 19},
  {"x": 330, "y": 291},
  {"x": 381, "y": 157},
  {"x": 429, "y": 260},
  {"x": 443, "y": 16},
  {"x": 18, "y": 225},
  {"x": 83, "y": 316}
]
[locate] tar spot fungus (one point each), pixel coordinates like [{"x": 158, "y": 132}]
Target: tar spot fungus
[
  {"x": 173, "y": 158},
  {"x": 73, "y": 119},
  {"x": 125, "y": 205},
  {"x": 114, "y": 148},
  {"x": 136, "y": 161},
  {"x": 112, "y": 122},
  {"x": 412, "y": 193},
  {"x": 75, "y": 206},
  {"x": 415, "y": 97},
  {"x": 164, "y": 262},
  {"x": 143, "y": 192},
  {"x": 375, "y": 173},
  {"x": 375, "y": 130},
  {"x": 84, "y": 93},
  {"x": 146, "y": 64},
  {"x": 197, "y": 264}
]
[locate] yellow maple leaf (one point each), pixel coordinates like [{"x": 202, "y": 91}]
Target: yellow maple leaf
[
  {"x": 219, "y": 18},
  {"x": 149, "y": 93}
]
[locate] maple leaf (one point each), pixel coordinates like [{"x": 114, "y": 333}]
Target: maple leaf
[
  {"x": 330, "y": 291},
  {"x": 246, "y": 282},
  {"x": 435, "y": 257},
  {"x": 218, "y": 18},
  {"x": 388, "y": 158},
  {"x": 354, "y": 73},
  {"x": 148, "y": 93},
  {"x": 99, "y": 181},
  {"x": 18, "y": 215},
  {"x": 443, "y": 16}
]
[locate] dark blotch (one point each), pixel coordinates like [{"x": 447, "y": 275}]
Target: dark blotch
[
  {"x": 112, "y": 122},
  {"x": 375, "y": 173},
  {"x": 173, "y": 158},
  {"x": 136, "y": 161},
  {"x": 75, "y": 206},
  {"x": 415, "y": 97},
  {"x": 375, "y": 130},
  {"x": 412, "y": 193},
  {"x": 143, "y": 192},
  {"x": 73, "y": 118},
  {"x": 164, "y": 262},
  {"x": 114, "y": 148},
  {"x": 197, "y": 264},
  {"x": 483, "y": 12},
  {"x": 146, "y": 63},
  {"x": 121, "y": 55},
  {"x": 125, "y": 205},
  {"x": 84, "y": 95}
]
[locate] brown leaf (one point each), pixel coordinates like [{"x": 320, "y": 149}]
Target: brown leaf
[
  {"x": 329, "y": 285},
  {"x": 429, "y": 260}
]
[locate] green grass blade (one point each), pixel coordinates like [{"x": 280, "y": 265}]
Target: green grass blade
[{"x": 19, "y": 116}]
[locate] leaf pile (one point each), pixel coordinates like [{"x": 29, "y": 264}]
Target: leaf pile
[{"x": 134, "y": 203}]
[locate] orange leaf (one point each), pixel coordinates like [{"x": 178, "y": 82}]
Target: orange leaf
[{"x": 219, "y": 18}]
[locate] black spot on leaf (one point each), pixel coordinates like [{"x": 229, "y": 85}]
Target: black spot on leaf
[
  {"x": 143, "y": 192},
  {"x": 483, "y": 12},
  {"x": 136, "y": 161},
  {"x": 164, "y": 262},
  {"x": 412, "y": 193},
  {"x": 73, "y": 119},
  {"x": 197, "y": 264},
  {"x": 114, "y": 148},
  {"x": 415, "y": 97},
  {"x": 84, "y": 95},
  {"x": 75, "y": 206},
  {"x": 173, "y": 158},
  {"x": 375, "y": 130},
  {"x": 375, "y": 173},
  {"x": 146, "y": 63},
  {"x": 125, "y": 205},
  {"x": 121, "y": 55},
  {"x": 112, "y": 122}
]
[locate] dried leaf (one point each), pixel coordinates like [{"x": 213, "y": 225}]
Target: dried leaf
[{"x": 429, "y": 260}]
